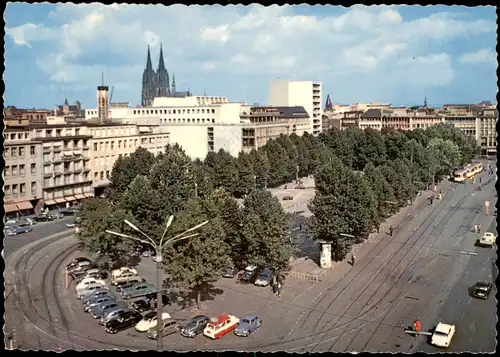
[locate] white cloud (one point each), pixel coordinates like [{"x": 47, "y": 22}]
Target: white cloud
[
  {"x": 356, "y": 43},
  {"x": 485, "y": 55}
]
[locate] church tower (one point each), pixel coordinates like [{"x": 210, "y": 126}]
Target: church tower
[
  {"x": 148, "y": 82},
  {"x": 163, "y": 81},
  {"x": 328, "y": 105}
]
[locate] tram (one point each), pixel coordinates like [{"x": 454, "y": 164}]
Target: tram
[{"x": 467, "y": 172}]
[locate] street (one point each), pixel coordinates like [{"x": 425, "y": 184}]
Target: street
[{"x": 418, "y": 272}]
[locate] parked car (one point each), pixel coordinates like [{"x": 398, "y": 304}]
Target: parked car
[
  {"x": 99, "y": 310},
  {"x": 96, "y": 273},
  {"x": 81, "y": 266},
  {"x": 150, "y": 320},
  {"x": 137, "y": 290},
  {"x": 113, "y": 314},
  {"x": 87, "y": 282},
  {"x": 480, "y": 290},
  {"x": 95, "y": 294},
  {"x": 89, "y": 289},
  {"x": 56, "y": 215},
  {"x": 75, "y": 262},
  {"x": 10, "y": 222},
  {"x": 43, "y": 218},
  {"x": 146, "y": 254},
  {"x": 220, "y": 326},
  {"x": 98, "y": 301},
  {"x": 125, "y": 277},
  {"x": 265, "y": 277},
  {"x": 195, "y": 326},
  {"x": 122, "y": 323},
  {"x": 287, "y": 198},
  {"x": 119, "y": 272},
  {"x": 487, "y": 240},
  {"x": 230, "y": 272},
  {"x": 249, "y": 274},
  {"x": 15, "y": 230},
  {"x": 443, "y": 335},
  {"x": 141, "y": 305},
  {"x": 67, "y": 212},
  {"x": 26, "y": 221},
  {"x": 153, "y": 297},
  {"x": 247, "y": 325},
  {"x": 129, "y": 283},
  {"x": 169, "y": 327}
]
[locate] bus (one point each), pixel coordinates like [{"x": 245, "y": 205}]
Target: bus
[{"x": 467, "y": 172}]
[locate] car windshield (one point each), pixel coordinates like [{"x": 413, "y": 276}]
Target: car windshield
[
  {"x": 442, "y": 334},
  {"x": 245, "y": 321}
]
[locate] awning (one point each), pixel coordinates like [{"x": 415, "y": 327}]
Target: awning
[
  {"x": 67, "y": 153},
  {"x": 24, "y": 205},
  {"x": 89, "y": 195},
  {"x": 79, "y": 197},
  {"x": 60, "y": 200},
  {"x": 49, "y": 202},
  {"x": 77, "y": 152},
  {"x": 10, "y": 208},
  {"x": 70, "y": 198}
]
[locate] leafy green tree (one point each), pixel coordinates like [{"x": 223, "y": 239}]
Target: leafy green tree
[
  {"x": 246, "y": 176},
  {"x": 196, "y": 263},
  {"x": 126, "y": 169},
  {"x": 278, "y": 171},
  {"x": 201, "y": 177},
  {"x": 319, "y": 155},
  {"x": 342, "y": 143},
  {"x": 265, "y": 232},
  {"x": 398, "y": 175},
  {"x": 292, "y": 156},
  {"x": 371, "y": 148},
  {"x": 344, "y": 203},
  {"x": 382, "y": 190},
  {"x": 261, "y": 167},
  {"x": 302, "y": 154},
  {"x": 446, "y": 153},
  {"x": 395, "y": 145},
  {"x": 97, "y": 217},
  {"x": 223, "y": 169},
  {"x": 467, "y": 145}
]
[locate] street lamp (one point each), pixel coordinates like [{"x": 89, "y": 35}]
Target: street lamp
[{"x": 159, "y": 259}]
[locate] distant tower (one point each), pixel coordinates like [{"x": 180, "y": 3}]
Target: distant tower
[
  {"x": 162, "y": 82},
  {"x": 425, "y": 101},
  {"x": 173, "y": 85},
  {"x": 102, "y": 102},
  {"x": 328, "y": 105},
  {"x": 148, "y": 82}
]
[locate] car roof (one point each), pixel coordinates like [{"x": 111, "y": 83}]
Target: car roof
[
  {"x": 220, "y": 319},
  {"x": 150, "y": 314},
  {"x": 442, "y": 327},
  {"x": 249, "y": 317},
  {"x": 199, "y": 317},
  {"x": 483, "y": 283}
]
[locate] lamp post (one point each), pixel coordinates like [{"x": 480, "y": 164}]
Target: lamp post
[
  {"x": 196, "y": 189},
  {"x": 159, "y": 259}
]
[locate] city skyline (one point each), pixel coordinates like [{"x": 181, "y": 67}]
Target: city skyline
[{"x": 393, "y": 54}]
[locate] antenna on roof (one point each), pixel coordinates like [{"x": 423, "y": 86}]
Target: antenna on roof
[{"x": 103, "y": 79}]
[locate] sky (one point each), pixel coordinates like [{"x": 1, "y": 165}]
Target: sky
[{"x": 391, "y": 54}]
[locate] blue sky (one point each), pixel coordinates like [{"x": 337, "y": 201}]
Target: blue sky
[{"x": 391, "y": 54}]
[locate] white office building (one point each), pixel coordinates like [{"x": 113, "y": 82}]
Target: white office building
[{"x": 307, "y": 94}]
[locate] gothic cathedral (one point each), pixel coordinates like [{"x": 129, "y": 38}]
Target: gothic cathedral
[{"x": 157, "y": 83}]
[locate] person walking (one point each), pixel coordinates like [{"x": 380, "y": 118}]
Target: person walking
[
  {"x": 279, "y": 288},
  {"x": 353, "y": 259},
  {"x": 391, "y": 230},
  {"x": 300, "y": 226},
  {"x": 417, "y": 326}
]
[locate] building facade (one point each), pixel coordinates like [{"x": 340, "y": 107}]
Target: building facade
[
  {"x": 307, "y": 94},
  {"x": 462, "y": 116},
  {"x": 22, "y": 117},
  {"x": 399, "y": 119},
  {"x": 486, "y": 134},
  {"x": 23, "y": 172},
  {"x": 68, "y": 110}
]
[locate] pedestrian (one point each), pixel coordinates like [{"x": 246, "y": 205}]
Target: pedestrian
[
  {"x": 480, "y": 180},
  {"x": 391, "y": 230},
  {"x": 378, "y": 229},
  {"x": 432, "y": 200},
  {"x": 275, "y": 289},
  {"x": 417, "y": 326},
  {"x": 353, "y": 260},
  {"x": 279, "y": 288},
  {"x": 300, "y": 227}
]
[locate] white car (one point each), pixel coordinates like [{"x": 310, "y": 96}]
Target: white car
[
  {"x": 87, "y": 281},
  {"x": 265, "y": 277},
  {"x": 119, "y": 272},
  {"x": 123, "y": 277},
  {"x": 443, "y": 334},
  {"x": 488, "y": 239},
  {"x": 150, "y": 320},
  {"x": 89, "y": 289}
]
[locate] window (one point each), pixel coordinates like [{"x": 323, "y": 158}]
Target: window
[
  {"x": 173, "y": 111},
  {"x": 23, "y": 189},
  {"x": 7, "y": 190},
  {"x": 113, "y": 145},
  {"x": 32, "y": 150},
  {"x": 13, "y": 152},
  {"x": 95, "y": 146},
  {"x": 58, "y": 132},
  {"x": 21, "y": 170},
  {"x": 107, "y": 174},
  {"x": 14, "y": 189},
  {"x": 101, "y": 175},
  {"x": 130, "y": 143},
  {"x": 95, "y": 175},
  {"x": 14, "y": 170},
  {"x": 119, "y": 144},
  {"x": 33, "y": 169},
  {"x": 77, "y": 132},
  {"x": 213, "y": 111},
  {"x": 6, "y": 171},
  {"x": 135, "y": 142}
]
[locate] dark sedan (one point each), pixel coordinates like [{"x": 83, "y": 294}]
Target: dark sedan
[
  {"x": 152, "y": 298},
  {"x": 43, "y": 218},
  {"x": 123, "y": 322},
  {"x": 480, "y": 290},
  {"x": 141, "y": 305},
  {"x": 230, "y": 272}
]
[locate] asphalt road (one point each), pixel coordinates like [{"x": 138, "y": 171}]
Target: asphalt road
[{"x": 42, "y": 229}]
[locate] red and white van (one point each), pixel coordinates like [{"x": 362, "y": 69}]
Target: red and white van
[{"x": 220, "y": 326}]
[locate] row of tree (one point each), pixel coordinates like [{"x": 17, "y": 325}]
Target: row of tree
[{"x": 361, "y": 177}]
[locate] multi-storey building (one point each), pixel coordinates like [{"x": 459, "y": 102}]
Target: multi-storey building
[
  {"x": 259, "y": 124},
  {"x": 399, "y": 119},
  {"x": 22, "y": 117},
  {"x": 22, "y": 172},
  {"x": 462, "y": 116},
  {"x": 68, "y": 110},
  {"x": 350, "y": 119},
  {"x": 307, "y": 94},
  {"x": 112, "y": 141},
  {"x": 486, "y": 135}
]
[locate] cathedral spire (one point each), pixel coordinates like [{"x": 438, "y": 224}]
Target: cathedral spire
[
  {"x": 149, "y": 65},
  {"x": 161, "y": 64},
  {"x": 328, "y": 105},
  {"x": 173, "y": 83},
  {"x": 425, "y": 101}
]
